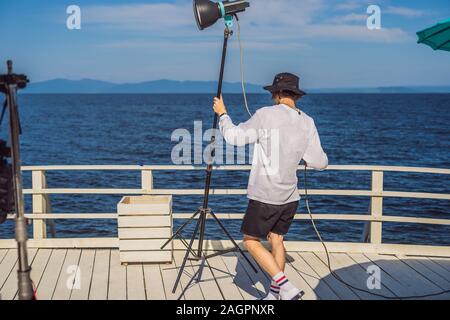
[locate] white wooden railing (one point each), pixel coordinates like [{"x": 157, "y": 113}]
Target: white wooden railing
[{"x": 42, "y": 210}]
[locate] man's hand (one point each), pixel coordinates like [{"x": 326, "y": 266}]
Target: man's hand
[{"x": 219, "y": 106}]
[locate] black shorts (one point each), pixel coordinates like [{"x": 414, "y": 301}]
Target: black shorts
[{"x": 262, "y": 219}]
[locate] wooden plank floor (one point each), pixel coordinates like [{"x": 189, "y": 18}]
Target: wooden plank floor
[{"x": 75, "y": 274}]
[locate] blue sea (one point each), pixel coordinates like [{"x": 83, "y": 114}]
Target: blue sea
[{"x": 359, "y": 129}]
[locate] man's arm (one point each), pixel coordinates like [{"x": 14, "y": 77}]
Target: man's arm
[
  {"x": 314, "y": 156},
  {"x": 241, "y": 135}
]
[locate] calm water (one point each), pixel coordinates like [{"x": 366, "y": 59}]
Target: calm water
[{"x": 401, "y": 130}]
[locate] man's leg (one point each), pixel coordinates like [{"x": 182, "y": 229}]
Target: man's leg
[
  {"x": 259, "y": 220},
  {"x": 279, "y": 254},
  {"x": 278, "y": 249},
  {"x": 267, "y": 261},
  {"x": 262, "y": 256}
]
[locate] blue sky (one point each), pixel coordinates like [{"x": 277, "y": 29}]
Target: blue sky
[{"x": 326, "y": 42}]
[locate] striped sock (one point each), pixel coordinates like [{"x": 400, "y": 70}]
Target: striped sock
[
  {"x": 287, "y": 290},
  {"x": 280, "y": 279},
  {"x": 274, "y": 288},
  {"x": 274, "y": 292}
]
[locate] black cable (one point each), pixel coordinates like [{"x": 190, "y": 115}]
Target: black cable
[
  {"x": 241, "y": 58},
  {"x": 336, "y": 276}
]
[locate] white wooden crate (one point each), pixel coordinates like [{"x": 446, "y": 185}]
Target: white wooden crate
[{"x": 145, "y": 224}]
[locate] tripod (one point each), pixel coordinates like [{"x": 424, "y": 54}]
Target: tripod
[
  {"x": 203, "y": 212},
  {"x": 9, "y": 84}
]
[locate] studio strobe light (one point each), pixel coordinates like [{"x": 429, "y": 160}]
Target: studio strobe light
[{"x": 206, "y": 14}]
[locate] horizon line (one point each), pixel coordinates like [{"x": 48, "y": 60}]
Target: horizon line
[{"x": 405, "y": 86}]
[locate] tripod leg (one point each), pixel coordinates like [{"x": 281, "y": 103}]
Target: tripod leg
[
  {"x": 188, "y": 285},
  {"x": 221, "y": 253},
  {"x": 200, "y": 270},
  {"x": 233, "y": 241},
  {"x": 177, "y": 233},
  {"x": 186, "y": 256},
  {"x": 187, "y": 246}
]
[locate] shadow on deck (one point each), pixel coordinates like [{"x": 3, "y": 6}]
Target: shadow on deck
[{"x": 100, "y": 276}]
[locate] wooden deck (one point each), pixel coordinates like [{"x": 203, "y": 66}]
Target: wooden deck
[{"x": 224, "y": 278}]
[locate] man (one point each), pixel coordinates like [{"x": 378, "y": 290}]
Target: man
[{"x": 283, "y": 135}]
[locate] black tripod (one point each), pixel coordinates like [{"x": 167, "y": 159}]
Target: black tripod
[
  {"x": 9, "y": 84},
  {"x": 203, "y": 212}
]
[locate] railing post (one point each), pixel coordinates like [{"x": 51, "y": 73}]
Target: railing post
[
  {"x": 376, "y": 208},
  {"x": 147, "y": 180},
  {"x": 39, "y": 204}
]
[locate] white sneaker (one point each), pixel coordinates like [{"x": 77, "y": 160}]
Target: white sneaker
[
  {"x": 291, "y": 293},
  {"x": 272, "y": 297}
]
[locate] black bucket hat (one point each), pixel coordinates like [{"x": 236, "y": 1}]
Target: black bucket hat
[{"x": 286, "y": 82}]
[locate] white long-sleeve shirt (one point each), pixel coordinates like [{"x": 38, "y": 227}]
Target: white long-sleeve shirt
[{"x": 283, "y": 137}]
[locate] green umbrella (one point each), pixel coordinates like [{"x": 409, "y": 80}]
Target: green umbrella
[{"x": 437, "y": 37}]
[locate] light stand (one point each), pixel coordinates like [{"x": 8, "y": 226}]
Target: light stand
[
  {"x": 9, "y": 84},
  {"x": 204, "y": 211}
]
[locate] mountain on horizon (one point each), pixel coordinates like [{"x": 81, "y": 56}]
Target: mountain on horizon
[
  {"x": 157, "y": 86},
  {"x": 90, "y": 86},
  {"x": 386, "y": 90}
]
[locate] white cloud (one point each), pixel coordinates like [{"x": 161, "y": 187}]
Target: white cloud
[
  {"x": 359, "y": 33},
  {"x": 167, "y": 45},
  {"x": 297, "y": 21},
  {"x": 349, "y": 18},
  {"x": 350, "y": 5},
  {"x": 404, "y": 12},
  {"x": 267, "y": 24},
  {"x": 145, "y": 17},
  {"x": 283, "y": 12}
]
